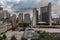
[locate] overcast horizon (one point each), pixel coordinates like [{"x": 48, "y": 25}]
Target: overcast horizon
[{"x": 16, "y": 6}]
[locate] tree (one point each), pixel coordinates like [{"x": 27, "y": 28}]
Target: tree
[
  {"x": 47, "y": 36},
  {"x": 4, "y": 37},
  {"x": 14, "y": 28},
  {"x": 23, "y": 38},
  {"x": 23, "y": 24},
  {"x": 1, "y": 38},
  {"x": 13, "y": 38}
]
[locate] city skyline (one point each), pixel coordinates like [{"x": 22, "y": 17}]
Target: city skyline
[
  {"x": 29, "y": 20},
  {"x": 22, "y": 5}
]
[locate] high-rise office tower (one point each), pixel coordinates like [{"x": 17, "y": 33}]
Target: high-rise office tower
[
  {"x": 35, "y": 16},
  {"x": 6, "y": 14},
  {"x": 45, "y": 15},
  {"x": 50, "y": 15},
  {"x": 13, "y": 19},
  {"x": 27, "y": 18},
  {"x": 20, "y": 18},
  {"x": 1, "y": 14}
]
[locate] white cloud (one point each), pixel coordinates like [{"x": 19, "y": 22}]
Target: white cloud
[
  {"x": 56, "y": 8},
  {"x": 16, "y": 1},
  {"x": 19, "y": 4}
]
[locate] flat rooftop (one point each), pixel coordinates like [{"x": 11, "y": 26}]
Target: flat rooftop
[{"x": 50, "y": 30}]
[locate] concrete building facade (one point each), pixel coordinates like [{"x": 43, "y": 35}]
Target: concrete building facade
[
  {"x": 6, "y": 14},
  {"x": 27, "y": 18},
  {"x": 35, "y": 16},
  {"x": 1, "y": 14},
  {"x": 20, "y": 18},
  {"x": 56, "y": 21},
  {"x": 45, "y": 15},
  {"x": 13, "y": 19}
]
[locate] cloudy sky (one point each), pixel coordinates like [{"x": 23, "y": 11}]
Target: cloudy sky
[{"x": 27, "y": 5}]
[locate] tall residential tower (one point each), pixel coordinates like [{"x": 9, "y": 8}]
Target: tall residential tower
[{"x": 35, "y": 17}]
